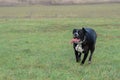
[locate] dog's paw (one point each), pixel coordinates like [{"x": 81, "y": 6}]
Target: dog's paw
[
  {"x": 81, "y": 64},
  {"x": 89, "y": 62}
]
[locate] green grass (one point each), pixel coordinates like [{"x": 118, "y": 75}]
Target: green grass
[{"x": 40, "y": 49}]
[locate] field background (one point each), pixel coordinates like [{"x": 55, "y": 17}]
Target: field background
[
  {"x": 52, "y": 2},
  {"x": 35, "y": 42}
]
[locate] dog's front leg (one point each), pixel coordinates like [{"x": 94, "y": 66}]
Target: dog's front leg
[
  {"x": 76, "y": 53},
  {"x": 77, "y": 56},
  {"x": 85, "y": 56},
  {"x": 80, "y": 56}
]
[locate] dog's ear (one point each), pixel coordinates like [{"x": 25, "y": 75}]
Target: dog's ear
[
  {"x": 83, "y": 29},
  {"x": 74, "y": 30}
]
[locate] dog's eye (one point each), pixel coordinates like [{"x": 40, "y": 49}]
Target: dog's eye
[{"x": 80, "y": 32}]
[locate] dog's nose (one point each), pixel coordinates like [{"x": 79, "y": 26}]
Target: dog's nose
[{"x": 76, "y": 34}]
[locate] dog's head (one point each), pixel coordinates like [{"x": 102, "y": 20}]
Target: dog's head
[{"x": 79, "y": 33}]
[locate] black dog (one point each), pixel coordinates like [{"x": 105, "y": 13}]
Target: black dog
[{"x": 87, "y": 39}]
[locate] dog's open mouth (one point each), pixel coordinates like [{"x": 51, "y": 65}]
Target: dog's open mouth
[{"x": 75, "y": 40}]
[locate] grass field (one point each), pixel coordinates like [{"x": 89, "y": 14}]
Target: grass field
[
  {"x": 38, "y": 47},
  {"x": 69, "y": 11}
]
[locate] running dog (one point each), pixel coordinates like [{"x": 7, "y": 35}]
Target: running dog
[{"x": 84, "y": 40}]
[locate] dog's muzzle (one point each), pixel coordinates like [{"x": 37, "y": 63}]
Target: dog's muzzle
[{"x": 76, "y": 35}]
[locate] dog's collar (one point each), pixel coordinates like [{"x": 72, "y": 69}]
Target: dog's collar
[{"x": 83, "y": 40}]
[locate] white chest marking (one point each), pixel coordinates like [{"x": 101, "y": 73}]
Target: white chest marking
[{"x": 79, "y": 48}]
